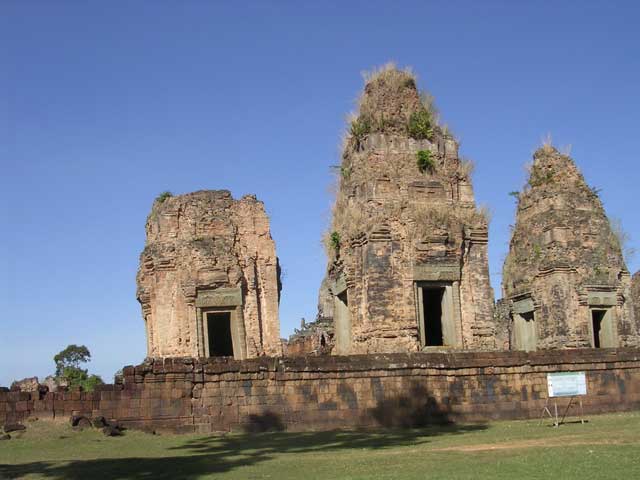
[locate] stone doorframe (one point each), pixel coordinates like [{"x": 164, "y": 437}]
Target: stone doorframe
[
  {"x": 524, "y": 334},
  {"x": 221, "y": 300},
  {"x": 451, "y": 315},
  {"x": 604, "y": 301},
  {"x": 439, "y": 276}
]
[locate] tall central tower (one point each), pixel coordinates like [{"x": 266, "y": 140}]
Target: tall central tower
[{"x": 407, "y": 247}]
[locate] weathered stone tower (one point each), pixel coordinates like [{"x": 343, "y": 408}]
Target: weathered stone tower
[
  {"x": 208, "y": 280},
  {"x": 407, "y": 247},
  {"x": 564, "y": 278},
  {"x": 635, "y": 298}
]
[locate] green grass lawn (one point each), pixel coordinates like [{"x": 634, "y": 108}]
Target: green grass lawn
[{"x": 608, "y": 446}]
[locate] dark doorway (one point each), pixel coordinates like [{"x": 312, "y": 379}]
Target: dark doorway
[
  {"x": 597, "y": 317},
  {"x": 432, "y": 308},
  {"x": 342, "y": 323},
  {"x": 219, "y": 328}
]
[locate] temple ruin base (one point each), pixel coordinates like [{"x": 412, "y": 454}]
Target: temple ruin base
[{"x": 323, "y": 393}]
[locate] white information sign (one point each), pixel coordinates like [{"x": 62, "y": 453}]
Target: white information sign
[{"x": 566, "y": 384}]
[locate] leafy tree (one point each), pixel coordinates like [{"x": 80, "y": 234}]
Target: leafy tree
[
  {"x": 72, "y": 356},
  {"x": 78, "y": 377},
  {"x": 68, "y": 367}
]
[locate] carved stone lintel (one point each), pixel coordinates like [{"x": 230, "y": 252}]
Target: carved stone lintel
[
  {"x": 220, "y": 297},
  {"x": 427, "y": 273}
]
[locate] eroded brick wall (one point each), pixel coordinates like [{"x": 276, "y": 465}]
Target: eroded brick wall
[{"x": 319, "y": 393}]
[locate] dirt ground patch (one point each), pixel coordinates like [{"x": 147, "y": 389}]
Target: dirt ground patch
[{"x": 537, "y": 443}]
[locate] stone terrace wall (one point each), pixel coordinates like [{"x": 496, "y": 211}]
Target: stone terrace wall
[{"x": 320, "y": 393}]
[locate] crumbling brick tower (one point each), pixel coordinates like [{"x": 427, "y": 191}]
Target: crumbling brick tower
[
  {"x": 564, "y": 277},
  {"x": 208, "y": 280},
  {"x": 407, "y": 247}
]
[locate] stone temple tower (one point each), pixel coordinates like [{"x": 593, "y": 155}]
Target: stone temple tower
[
  {"x": 635, "y": 297},
  {"x": 564, "y": 277},
  {"x": 407, "y": 247},
  {"x": 209, "y": 280}
]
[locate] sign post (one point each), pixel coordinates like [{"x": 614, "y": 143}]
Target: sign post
[{"x": 564, "y": 384}]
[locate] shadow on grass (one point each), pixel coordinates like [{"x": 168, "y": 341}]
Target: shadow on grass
[
  {"x": 214, "y": 454},
  {"x": 210, "y": 455}
]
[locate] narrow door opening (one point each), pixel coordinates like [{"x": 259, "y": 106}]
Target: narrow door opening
[
  {"x": 219, "y": 328},
  {"x": 597, "y": 317},
  {"x": 432, "y": 308},
  {"x": 343, "y": 298},
  {"x": 342, "y": 322},
  {"x": 527, "y": 316}
]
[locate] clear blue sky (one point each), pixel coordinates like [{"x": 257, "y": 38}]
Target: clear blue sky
[{"x": 105, "y": 104}]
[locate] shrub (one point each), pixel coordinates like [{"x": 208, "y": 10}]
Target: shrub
[
  {"x": 79, "y": 377},
  {"x": 466, "y": 167},
  {"x": 540, "y": 177},
  {"x": 345, "y": 172},
  {"x": 334, "y": 239},
  {"x": 163, "y": 196},
  {"x": 429, "y": 104},
  {"x": 383, "y": 123},
  {"x": 537, "y": 251},
  {"x": 360, "y": 128},
  {"x": 623, "y": 240},
  {"x": 484, "y": 213},
  {"x": 425, "y": 161},
  {"x": 420, "y": 125}
]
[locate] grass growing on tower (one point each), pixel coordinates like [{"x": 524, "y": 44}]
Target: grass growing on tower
[{"x": 420, "y": 125}]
